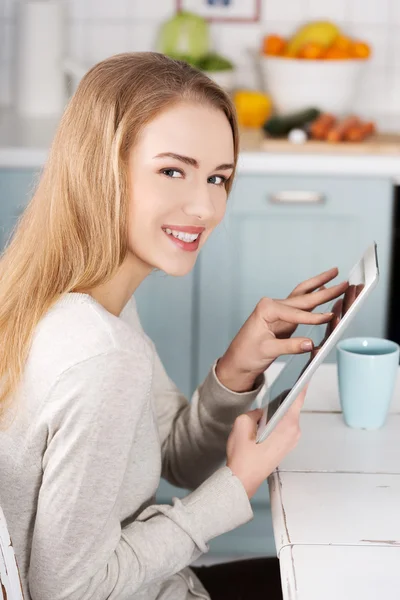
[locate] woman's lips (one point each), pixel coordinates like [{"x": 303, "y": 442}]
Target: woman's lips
[
  {"x": 184, "y": 228},
  {"x": 187, "y": 246}
]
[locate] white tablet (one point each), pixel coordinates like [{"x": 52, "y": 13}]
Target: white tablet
[{"x": 300, "y": 367}]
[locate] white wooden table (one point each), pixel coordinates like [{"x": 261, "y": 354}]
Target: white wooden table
[
  {"x": 335, "y": 503},
  {"x": 340, "y": 572}
]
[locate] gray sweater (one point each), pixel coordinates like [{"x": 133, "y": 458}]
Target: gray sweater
[{"x": 96, "y": 423}]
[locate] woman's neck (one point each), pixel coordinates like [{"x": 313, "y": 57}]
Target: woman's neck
[{"x": 116, "y": 293}]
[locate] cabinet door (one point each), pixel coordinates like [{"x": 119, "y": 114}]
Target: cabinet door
[
  {"x": 16, "y": 189},
  {"x": 266, "y": 246},
  {"x": 165, "y": 307}
]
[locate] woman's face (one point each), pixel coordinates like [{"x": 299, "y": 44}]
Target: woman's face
[{"x": 177, "y": 172}]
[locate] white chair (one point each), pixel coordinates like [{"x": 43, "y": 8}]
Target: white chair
[{"x": 9, "y": 575}]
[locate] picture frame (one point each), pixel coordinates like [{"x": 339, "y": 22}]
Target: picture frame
[{"x": 232, "y": 11}]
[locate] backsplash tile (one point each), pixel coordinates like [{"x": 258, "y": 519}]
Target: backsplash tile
[
  {"x": 8, "y": 42},
  {"x": 151, "y": 10},
  {"x": 284, "y": 28},
  {"x": 5, "y": 87},
  {"x": 394, "y": 93},
  {"x": 336, "y": 10},
  {"x": 373, "y": 91},
  {"x": 113, "y": 9},
  {"x": 7, "y": 8},
  {"x": 76, "y": 39},
  {"x": 77, "y": 9},
  {"x": 292, "y": 10},
  {"x": 104, "y": 39},
  {"x": 141, "y": 37},
  {"x": 374, "y": 12},
  {"x": 394, "y": 13},
  {"x": 99, "y": 28}
]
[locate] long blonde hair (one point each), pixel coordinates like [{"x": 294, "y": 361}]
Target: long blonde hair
[{"x": 73, "y": 234}]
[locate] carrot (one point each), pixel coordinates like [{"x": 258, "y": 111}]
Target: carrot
[
  {"x": 338, "y": 131},
  {"x": 360, "y": 132},
  {"x": 320, "y": 127}
]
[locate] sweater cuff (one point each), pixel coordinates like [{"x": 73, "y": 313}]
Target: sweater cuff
[
  {"x": 224, "y": 404},
  {"x": 218, "y": 505}
]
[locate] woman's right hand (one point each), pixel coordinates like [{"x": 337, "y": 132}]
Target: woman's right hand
[{"x": 252, "y": 463}]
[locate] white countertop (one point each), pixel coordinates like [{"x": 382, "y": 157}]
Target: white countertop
[
  {"x": 335, "y": 499},
  {"x": 320, "y": 164},
  {"x": 367, "y": 573},
  {"x": 25, "y": 142}
]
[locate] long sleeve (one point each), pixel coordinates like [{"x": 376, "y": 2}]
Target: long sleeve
[
  {"x": 99, "y": 419},
  {"x": 194, "y": 435}
]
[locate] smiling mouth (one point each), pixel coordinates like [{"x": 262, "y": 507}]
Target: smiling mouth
[
  {"x": 185, "y": 240},
  {"x": 182, "y": 235}
]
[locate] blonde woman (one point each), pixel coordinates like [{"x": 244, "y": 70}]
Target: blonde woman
[{"x": 137, "y": 179}]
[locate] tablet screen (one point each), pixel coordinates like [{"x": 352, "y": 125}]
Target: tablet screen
[{"x": 319, "y": 334}]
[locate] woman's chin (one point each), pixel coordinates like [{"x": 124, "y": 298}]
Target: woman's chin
[{"x": 177, "y": 268}]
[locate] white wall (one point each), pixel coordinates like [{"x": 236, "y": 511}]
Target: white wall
[{"x": 98, "y": 28}]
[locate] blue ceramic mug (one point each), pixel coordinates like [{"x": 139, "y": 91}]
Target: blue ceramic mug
[{"x": 367, "y": 371}]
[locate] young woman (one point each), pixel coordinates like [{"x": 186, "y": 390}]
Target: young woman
[{"x": 137, "y": 179}]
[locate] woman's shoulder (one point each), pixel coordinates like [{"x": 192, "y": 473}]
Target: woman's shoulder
[{"x": 80, "y": 329}]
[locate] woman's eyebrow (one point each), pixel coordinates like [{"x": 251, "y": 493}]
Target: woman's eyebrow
[{"x": 192, "y": 161}]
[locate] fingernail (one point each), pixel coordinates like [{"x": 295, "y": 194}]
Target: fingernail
[{"x": 307, "y": 345}]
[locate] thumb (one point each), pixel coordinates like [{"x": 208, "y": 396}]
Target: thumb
[
  {"x": 246, "y": 424},
  {"x": 298, "y": 403},
  {"x": 296, "y": 345}
]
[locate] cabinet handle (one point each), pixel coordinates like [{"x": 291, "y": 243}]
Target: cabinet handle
[{"x": 297, "y": 197}]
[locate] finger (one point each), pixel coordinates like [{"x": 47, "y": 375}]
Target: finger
[
  {"x": 337, "y": 308},
  {"x": 272, "y": 311},
  {"x": 297, "y": 345},
  {"x": 255, "y": 414},
  {"x": 359, "y": 289},
  {"x": 312, "y": 284},
  {"x": 337, "y": 314},
  {"x": 299, "y": 402},
  {"x": 349, "y": 298},
  {"x": 314, "y": 299},
  {"x": 246, "y": 424}
]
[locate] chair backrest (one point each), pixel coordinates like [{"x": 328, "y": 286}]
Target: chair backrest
[{"x": 9, "y": 576}]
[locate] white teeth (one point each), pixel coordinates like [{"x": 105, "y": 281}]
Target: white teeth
[{"x": 181, "y": 235}]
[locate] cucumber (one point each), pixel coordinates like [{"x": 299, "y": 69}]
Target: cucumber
[{"x": 281, "y": 125}]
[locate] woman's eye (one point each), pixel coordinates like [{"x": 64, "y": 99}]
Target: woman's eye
[
  {"x": 217, "y": 179},
  {"x": 173, "y": 173}
]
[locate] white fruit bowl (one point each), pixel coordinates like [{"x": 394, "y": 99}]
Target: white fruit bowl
[
  {"x": 297, "y": 84},
  {"x": 225, "y": 79}
]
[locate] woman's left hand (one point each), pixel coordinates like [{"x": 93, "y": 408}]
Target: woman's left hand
[{"x": 266, "y": 333}]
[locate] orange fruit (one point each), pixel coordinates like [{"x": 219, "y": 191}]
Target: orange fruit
[
  {"x": 273, "y": 45},
  {"x": 312, "y": 51},
  {"x": 343, "y": 43},
  {"x": 288, "y": 53},
  {"x": 360, "y": 50},
  {"x": 334, "y": 53}
]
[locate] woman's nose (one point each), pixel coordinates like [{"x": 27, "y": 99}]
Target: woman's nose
[{"x": 200, "y": 205}]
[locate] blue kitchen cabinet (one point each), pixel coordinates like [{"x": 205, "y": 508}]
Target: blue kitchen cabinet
[
  {"x": 166, "y": 308},
  {"x": 16, "y": 189},
  {"x": 279, "y": 231}
]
